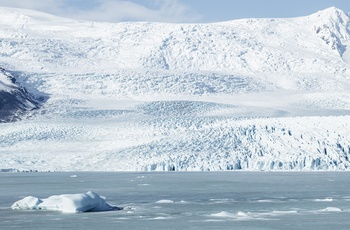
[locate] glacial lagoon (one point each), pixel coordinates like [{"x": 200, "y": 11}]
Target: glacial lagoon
[{"x": 185, "y": 200}]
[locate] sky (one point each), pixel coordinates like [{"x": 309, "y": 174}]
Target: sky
[{"x": 185, "y": 11}]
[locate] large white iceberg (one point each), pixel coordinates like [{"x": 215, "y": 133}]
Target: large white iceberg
[{"x": 67, "y": 203}]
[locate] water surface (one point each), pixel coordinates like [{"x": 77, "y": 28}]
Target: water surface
[{"x": 205, "y": 200}]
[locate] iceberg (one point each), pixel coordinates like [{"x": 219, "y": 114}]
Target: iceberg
[{"x": 67, "y": 203}]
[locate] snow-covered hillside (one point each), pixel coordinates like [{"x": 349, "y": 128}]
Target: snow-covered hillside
[{"x": 252, "y": 94}]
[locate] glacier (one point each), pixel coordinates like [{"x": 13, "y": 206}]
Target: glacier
[{"x": 251, "y": 94}]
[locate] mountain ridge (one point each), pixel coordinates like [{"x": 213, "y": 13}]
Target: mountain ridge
[{"x": 154, "y": 45}]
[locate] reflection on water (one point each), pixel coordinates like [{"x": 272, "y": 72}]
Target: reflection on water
[{"x": 220, "y": 200}]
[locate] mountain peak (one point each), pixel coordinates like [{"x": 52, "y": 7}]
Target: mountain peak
[
  {"x": 331, "y": 13},
  {"x": 332, "y": 10},
  {"x": 332, "y": 26}
]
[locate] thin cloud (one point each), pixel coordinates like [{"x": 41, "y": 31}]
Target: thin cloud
[
  {"x": 117, "y": 10},
  {"x": 112, "y": 10},
  {"x": 41, "y": 5}
]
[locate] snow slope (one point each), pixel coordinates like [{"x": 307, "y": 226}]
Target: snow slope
[{"x": 251, "y": 94}]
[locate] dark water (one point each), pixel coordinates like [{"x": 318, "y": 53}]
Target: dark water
[{"x": 220, "y": 200}]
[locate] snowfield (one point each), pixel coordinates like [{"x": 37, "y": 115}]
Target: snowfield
[{"x": 250, "y": 94}]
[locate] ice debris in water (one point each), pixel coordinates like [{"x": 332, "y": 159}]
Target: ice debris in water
[
  {"x": 165, "y": 202},
  {"x": 332, "y": 209}
]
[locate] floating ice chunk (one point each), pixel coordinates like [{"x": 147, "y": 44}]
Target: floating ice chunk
[
  {"x": 324, "y": 200},
  {"x": 237, "y": 216},
  {"x": 332, "y": 209},
  {"x": 251, "y": 215},
  {"x": 29, "y": 202},
  {"x": 264, "y": 201},
  {"x": 223, "y": 214},
  {"x": 242, "y": 214},
  {"x": 284, "y": 212},
  {"x": 165, "y": 202},
  {"x": 68, "y": 203}
]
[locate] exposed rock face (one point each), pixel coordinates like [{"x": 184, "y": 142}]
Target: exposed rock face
[{"x": 15, "y": 101}]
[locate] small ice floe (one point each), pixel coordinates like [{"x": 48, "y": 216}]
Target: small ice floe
[
  {"x": 73, "y": 176},
  {"x": 331, "y": 209},
  {"x": 238, "y": 215},
  {"x": 324, "y": 200},
  {"x": 221, "y": 201},
  {"x": 67, "y": 203},
  {"x": 224, "y": 214},
  {"x": 161, "y": 218},
  {"x": 165, "y": 202},
  {"x": 265, "y": 201},
  {"x": 241, "y": 216},
  {"x": 279, "y": 213}
]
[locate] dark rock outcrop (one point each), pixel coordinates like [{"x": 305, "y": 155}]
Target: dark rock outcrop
[{"x": 15, "y": 101}]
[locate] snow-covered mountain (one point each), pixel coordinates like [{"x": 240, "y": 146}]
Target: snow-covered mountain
[{"x": 252, "y": 94}]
